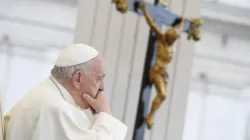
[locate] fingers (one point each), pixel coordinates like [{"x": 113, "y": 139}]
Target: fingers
[
  {"x": 99, "y": 95},
  {"x": 99, "y": 91},
  {"x": 89, "y": 99},
  {"x": 99, "y": 104},
  {"x": 93, "y": 111}
]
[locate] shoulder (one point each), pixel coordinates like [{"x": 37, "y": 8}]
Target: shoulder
[
  {"x": 64, "y": 111},
  {"x": 42, "y": 94},
  {"x": 43, "y": 86}
]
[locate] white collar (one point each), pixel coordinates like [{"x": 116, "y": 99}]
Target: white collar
[{"x": 66, "y": 95}]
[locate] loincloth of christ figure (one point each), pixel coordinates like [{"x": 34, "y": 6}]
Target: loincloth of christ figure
[{"x": 164, "y": 54}]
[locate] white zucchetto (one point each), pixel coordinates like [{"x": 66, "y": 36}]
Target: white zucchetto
[{"x": 75, "y": 54}]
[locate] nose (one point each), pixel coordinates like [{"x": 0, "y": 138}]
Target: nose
[{"x": 102, "y": 85}]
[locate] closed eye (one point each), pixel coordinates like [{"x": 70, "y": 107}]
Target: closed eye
[{"x": 101, "y": 77}]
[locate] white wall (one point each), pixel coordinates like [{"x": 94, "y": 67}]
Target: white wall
[
  {"x": 217, "y": 107},
  {"x": 37, "y": 29}
]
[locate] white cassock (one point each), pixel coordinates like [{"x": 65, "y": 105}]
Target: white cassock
[
  {"x": 1, "y": 116},
  {"x": 45, "y": 113}
]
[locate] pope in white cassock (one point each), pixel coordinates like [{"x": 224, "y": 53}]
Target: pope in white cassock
[{"x": 53, "y": 109}]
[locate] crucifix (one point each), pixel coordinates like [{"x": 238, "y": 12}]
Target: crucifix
[{"x": 159, "y": 54}]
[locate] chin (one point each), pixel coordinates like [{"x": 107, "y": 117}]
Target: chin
[{"x": 84, "y": 106}]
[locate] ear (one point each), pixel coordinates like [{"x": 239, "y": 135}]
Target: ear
[{"x": 76, "y": 79}]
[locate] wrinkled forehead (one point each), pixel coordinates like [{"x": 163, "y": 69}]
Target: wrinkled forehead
[{"x": 99, "y": 65}]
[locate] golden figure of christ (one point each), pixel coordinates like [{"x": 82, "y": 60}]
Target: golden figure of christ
[{"x": 158, "y": 73}]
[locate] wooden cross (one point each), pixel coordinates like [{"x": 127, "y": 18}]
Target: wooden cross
[{"x": 159, "y": 54}]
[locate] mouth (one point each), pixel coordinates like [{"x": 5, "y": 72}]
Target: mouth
[
  {"x": 101, "y": 89},
  {"x": 98, "y": 92}
]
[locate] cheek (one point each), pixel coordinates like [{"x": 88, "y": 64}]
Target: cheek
[
  {"x": 94, "y": 87},
  {"x": 97, "y": 85}
]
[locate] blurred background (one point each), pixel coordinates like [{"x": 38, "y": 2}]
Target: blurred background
[
  {"x": 218, "y": 104},
  {"x": 33, "y": 31},
  {"x": 31, "y": 34}
]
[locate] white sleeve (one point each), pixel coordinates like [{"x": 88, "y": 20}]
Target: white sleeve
[
  {"x": 61, "y": 125},
  {"x": 116, "y": 128}
]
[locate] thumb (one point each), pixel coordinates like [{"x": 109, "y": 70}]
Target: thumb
[{"x": 89, "y": 99}]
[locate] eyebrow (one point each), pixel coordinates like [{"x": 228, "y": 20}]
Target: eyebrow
[{"x": 101, "y": 76}]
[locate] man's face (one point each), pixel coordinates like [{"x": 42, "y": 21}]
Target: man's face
[{"x": 93, "y": 81}]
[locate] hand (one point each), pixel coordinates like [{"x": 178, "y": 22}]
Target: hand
[
  {"x": 93, "y": 111},
  {"x": 196, "y": 22},
  {"x": 142, "y": 5},
  {"x": 99, "y": 104}
]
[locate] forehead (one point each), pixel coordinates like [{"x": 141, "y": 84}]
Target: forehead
[{"x": 98, "y": 65}]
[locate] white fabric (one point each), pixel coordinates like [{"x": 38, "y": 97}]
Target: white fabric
[
  {"x": 75, "y": 54},
  {"x": 1, "y": 116},
  {"x": 43, "y": 114}
]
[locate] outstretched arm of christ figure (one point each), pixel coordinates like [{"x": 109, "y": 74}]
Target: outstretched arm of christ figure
[
  {"x": 194, "y": 31},
  {"x": 149, "y": 20},
  {"x": 121, "y": 5},
  {"x": 181, "y": 26}
]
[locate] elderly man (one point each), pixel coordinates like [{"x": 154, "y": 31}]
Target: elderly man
[{"x": 53, "y": 110}]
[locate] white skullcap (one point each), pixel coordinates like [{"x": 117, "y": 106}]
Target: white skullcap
[{"x": 75, "y": 54}]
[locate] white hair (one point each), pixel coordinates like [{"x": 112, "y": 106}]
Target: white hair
[{"x": 66, "y": 72}]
